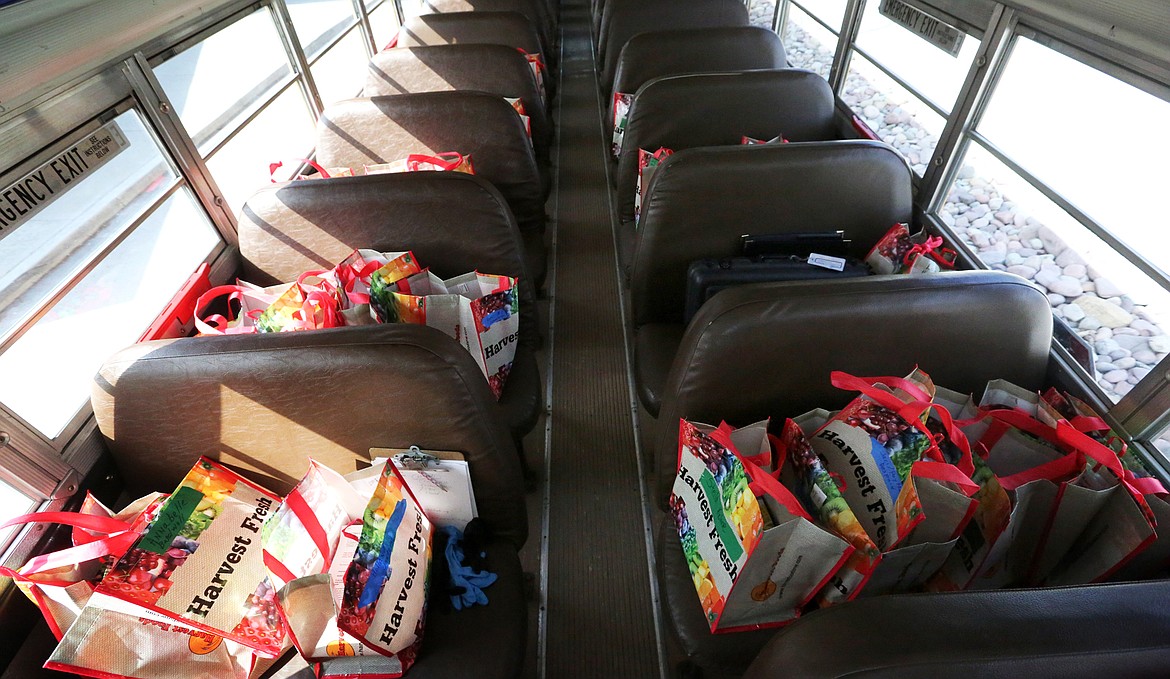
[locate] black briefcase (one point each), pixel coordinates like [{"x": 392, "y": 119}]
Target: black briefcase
[{"x": 705, "y": 277}]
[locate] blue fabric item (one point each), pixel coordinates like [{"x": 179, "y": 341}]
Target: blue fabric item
[
  {"x": 380, "y": 571},
  {"x": 472, "y": 582}
]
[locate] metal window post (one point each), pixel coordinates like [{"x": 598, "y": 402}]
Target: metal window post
[
  {"x": 849, "y": 27},
  {"x": 296, "y": 56},
  {"x": 359, "y": 8},
  {"x": 972, "y": 99}
]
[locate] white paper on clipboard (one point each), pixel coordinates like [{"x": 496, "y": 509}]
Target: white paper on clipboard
[{"x": 441, "y": 484}]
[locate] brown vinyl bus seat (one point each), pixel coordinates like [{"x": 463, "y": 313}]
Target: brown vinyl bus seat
[
  {"x": 453, "y": 222},
  {"x": 766, "y": 350},
  {"x": 498, "y": 69},
  {"x": 657, "y": 54},
  {"x": 719, "y": 109},
  {"x": 1112, "y": 630},
  {"x": 702, "y": 200},
  {"x": 264, "y": 403},
  {"x": 475, "y": 28},
  {"x": 358, "y": 132},
  {"x": 534, "y": 10},
  {"x": 623, "y": 19}
]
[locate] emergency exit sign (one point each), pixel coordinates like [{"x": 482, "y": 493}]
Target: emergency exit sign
[{"x": 942, "y": 35}]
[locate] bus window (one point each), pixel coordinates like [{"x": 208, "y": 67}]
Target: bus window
[
  {"x": 282, "y": 132},
  {"x": 319, "y": 23},
  {"x": 12, "y": 503},
  {"x": 902, "y": 85},
  {"x": 243, "y": 109},
  {"x": 340, "y": 73},
  {"x": 215, "y": 85},
  {"x": 383, "y": 21},
  {"x": 1036, "y": 194},
  {"x": 89, "y": 277},
  {"x": 762, "y": 13},
  {"x": 808, "y": 40}
]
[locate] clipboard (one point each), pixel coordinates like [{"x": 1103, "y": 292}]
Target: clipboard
[{"x": 440, "y": 481}]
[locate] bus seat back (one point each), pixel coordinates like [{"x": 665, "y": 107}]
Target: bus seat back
[
  {"x": 719, "y": 109},
  {"x": 264, "y": 403},
  {"x": 766, "y": 350}
]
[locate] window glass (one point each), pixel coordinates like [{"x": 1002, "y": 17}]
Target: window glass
[
  {"x": 1120, "y": 312},
  {"x": 807, "y": 43},
  {"x": 341, "y": 72},
  {"x": 221, "y": 80},
  {"x": 48, "y": 371},
  {"x": 899, "y": 117},
  {"x": 317, "y": 22},
  {"x": 12, "y": 503},
  {"x": 762, "y": 13},
  {"x": 384, "y": 24},
  {"x": 1047, "y": 113},
  {"x": 933, "y": 73},
  {"x": 831, "y": 12},
  {"x": 283, "y": 132},
  {"x": 46, "y": 252}
]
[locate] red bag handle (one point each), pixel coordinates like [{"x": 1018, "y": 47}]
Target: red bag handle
[
  {"x": 447, "y": 160},
  {"x": 761, "y": 481},
  {"x": 216, "y": 324},
  {"x": 273, "y": 167},
  {"x": 910, "y": 412},
  {"x": 1062, "y": 467}
]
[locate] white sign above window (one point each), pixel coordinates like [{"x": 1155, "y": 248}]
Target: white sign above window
[
  {"x": 942, "y": 35},
  {"x": 30, "y": 194}
]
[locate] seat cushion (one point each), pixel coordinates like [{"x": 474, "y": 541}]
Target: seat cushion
[
  {"x": 727, "y": 654},
  {"x": 654, "y": 347},
  {"x": 491, "y": 639}
]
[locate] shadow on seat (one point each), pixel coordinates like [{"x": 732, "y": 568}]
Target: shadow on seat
[
  {"x": 767, "y": 350},
  {"x": 265, "y": 403},
  {"x": 498, "y": 69},
  {"x": 702, "y": 200},
  {"x": 453, "y": 222},
  {"x": 357, "y": 132},
  {"x": 534, "y": 10},
  {"x": 477, "y": 28}
]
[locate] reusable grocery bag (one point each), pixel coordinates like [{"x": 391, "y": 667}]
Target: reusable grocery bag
[
  {"x": 1058, "y": 484},
  {"x": 898, "y": 252},
  {"x": 200, "y": 562},
  {"x": 385, "y": 592},
  {"x": 818, "y": 490},
  {"x": 313, "y": 302},
  {"x": 753, "y": 566},
  {"x": 112, "y": 638},
  {"x": 244, "y": 305},
  {"x": 446, "y": 161},
  {"x": 896, "y": 478},
  {"x": 60, "y": 583},
  {"x": 621, "y": 116},
  {"x": 648, "y": 162},
  {"x": 480, "y": 311}
]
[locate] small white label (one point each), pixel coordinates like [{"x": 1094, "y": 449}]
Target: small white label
[
  {"x": 943, "y": 36},
  {"x": 826, "y": 262}
]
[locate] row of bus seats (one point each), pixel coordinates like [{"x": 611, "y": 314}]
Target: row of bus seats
[
  {"x": 766, "y": 349},
  {"x": 262, "y": 403}
]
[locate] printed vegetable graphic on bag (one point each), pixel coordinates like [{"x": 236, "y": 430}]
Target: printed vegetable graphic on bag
[
  {"x": 384, "y": 601},
  {"x": 896, "y": 478},
  {"x": 753, "y": 566},
  {"x": 481, "y": 311},
  {"x": 817, "y": 488},
  {"x": 200, "y": 562}
]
